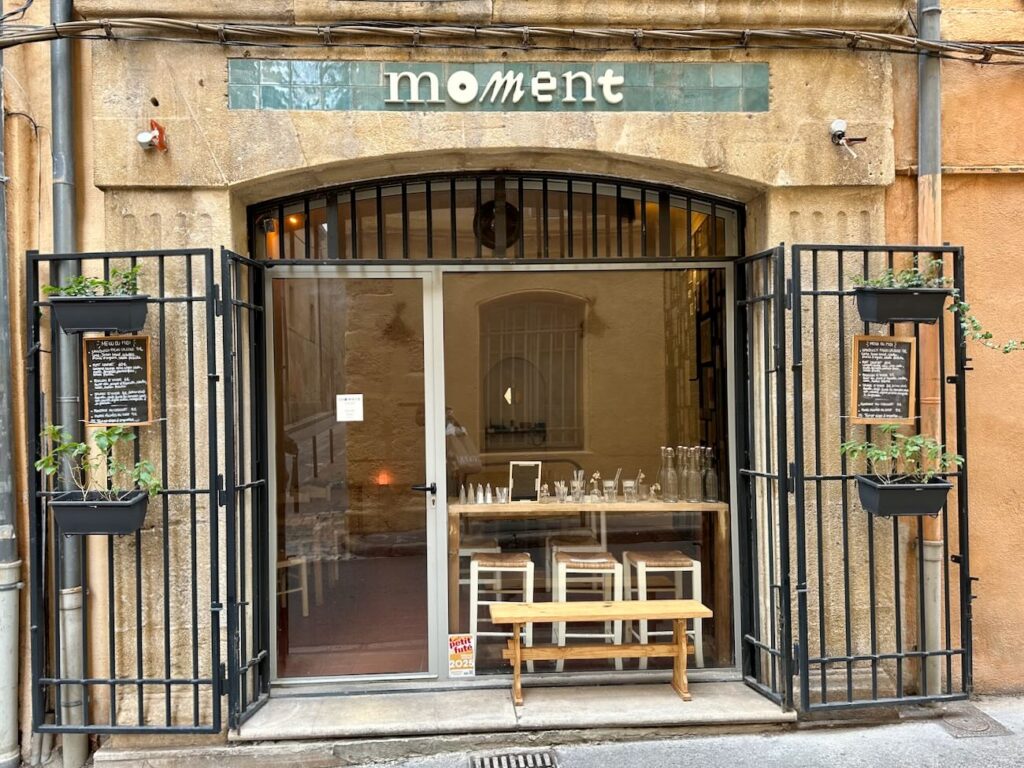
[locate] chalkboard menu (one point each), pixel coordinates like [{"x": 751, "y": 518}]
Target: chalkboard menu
[
  {"x": 117, "y": 380},
  {"x": 883, "y": 379}
]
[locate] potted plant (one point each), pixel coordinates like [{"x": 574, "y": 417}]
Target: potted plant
[
  {"x": 116, "y": 504},
  {"x": 903, "y": 473},
  {"x": 93, "y": 304},
  {"x": 910, "y": 295}
]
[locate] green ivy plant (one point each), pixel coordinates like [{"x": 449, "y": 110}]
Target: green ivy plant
[
  {"x": 902, "y": 458},
  {"x": 122, "y": 282},
  {"x": 84, "y": 466},
  {"x": 930, "y": 276}
]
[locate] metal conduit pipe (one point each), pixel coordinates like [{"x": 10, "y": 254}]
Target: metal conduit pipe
[
  {"x": 929, "y": 232},
  {"x": 74, "y": 747},
  {"x": 10, "y": 565}
]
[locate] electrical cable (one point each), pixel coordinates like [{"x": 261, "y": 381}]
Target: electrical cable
[{"x": 504, "y": 37}]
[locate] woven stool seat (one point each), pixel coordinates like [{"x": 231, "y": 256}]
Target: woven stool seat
[
  {"x": 577, "y": 538},
  {"x": 501, "y": 559},
  {"x": 597, "y": 561},
  {"x": 670, "y": 559}
]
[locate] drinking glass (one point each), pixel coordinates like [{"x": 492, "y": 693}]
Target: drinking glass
[
  {"x": 629, "y": 490},
  {"x": 609, "y": 490}
]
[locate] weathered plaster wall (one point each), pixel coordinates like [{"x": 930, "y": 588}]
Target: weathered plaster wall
[
  {"x": 983, "y": 192},
  {"x": 260, "y": 153}
]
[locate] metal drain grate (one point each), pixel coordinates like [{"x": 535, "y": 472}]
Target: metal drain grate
[
  {"x": 970, "y": 722},
  {"x": 540, "y": 759}
]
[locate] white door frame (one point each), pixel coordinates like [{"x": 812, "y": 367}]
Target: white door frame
[{"x": 434, "y": 448}]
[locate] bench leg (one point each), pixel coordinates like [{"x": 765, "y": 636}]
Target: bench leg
[
  {"x": 517, "y": 659},
  {"x": 679, "y": 681}
]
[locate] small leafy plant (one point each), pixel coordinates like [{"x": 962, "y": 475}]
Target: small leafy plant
[
  {"x": 930, "y": 276},
  {"x": 86, "y": 468},
  {"x": 122, "y": 282},
  {"x": 903, "y": 458}
]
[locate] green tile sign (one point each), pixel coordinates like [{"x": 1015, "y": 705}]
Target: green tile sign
[{"x": 495, "y": 87}]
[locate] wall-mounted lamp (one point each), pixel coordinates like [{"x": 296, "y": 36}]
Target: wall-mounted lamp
[{"x": 154, "y": 138}]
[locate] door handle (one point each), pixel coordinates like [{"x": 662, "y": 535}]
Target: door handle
[{"x": 424, "y": 488}]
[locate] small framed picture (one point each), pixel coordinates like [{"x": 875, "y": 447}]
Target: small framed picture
[{"x": 524, "y": 481}]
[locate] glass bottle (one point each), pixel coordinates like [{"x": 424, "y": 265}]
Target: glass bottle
[
  {"x": 670, "y": 489},
  {"x": 660, "y": 479},
  {"x": 709, "y": 477},
  {"x": 693, "y": 485}
]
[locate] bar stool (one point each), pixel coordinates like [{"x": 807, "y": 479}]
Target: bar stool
[
  {"x": 676, "y": 563},
  {"x": 573, "y": 542},
  {"x": 586, "y": 566},
  {"x": 471, "y": 545},
  {"x": 499, "y": 564}
]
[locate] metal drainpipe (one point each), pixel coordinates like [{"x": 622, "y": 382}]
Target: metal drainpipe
[
  {"x": 10, "y": 565},
  {"x": 74, "y": 747},
  {"x": 929, "y": 232}
]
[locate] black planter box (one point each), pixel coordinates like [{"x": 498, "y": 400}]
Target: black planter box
[
  {"x": 75, "y": 512},
  {"x": 902, "y": 499},
  {"x": 75, "y": 314},
  {"x": 900, "y": 305}
]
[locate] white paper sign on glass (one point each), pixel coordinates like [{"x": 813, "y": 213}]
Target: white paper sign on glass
[{"x": 350, "y": 407}]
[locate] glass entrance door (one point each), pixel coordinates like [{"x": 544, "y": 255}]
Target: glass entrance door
[{"x": 351, "y": 557}]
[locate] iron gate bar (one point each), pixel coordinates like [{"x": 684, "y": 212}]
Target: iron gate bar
[
  {"x": 963, "y": 518},
  {"x": 823, "y": 660},
  {"x": 45, "y": 611},
  {"x": 245, "y": 496},
  {"x": 759, "y": 317}
]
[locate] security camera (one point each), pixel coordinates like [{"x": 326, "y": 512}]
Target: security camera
[
  {"x": 154, "y": 138},
  {"x": 838, "y": 133},
  {"x": 147, "y": 139}
]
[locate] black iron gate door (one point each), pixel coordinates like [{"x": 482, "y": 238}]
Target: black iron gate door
[
  {"x": 126, "y": 626},
  {"x": 764, "y": 493},
  {"x": 246, "y": 490},
  {"x": 883, "y": 604}
]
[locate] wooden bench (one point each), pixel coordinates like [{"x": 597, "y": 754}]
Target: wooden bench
[{"x": 676, "y": 611}]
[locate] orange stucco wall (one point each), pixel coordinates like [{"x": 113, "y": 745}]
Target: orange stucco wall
[{"x": 982, "y": 205}]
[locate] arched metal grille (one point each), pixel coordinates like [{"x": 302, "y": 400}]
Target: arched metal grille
[{"x": 496, "y": 216}]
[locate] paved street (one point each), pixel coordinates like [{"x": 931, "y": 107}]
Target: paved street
[{"x": 908, "y": 744}]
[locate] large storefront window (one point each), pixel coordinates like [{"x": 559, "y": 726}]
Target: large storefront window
[{"x": 639, "y": 358}]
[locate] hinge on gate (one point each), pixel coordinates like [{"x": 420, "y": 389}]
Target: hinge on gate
[
  {"x": 796, "y": 655},
  {"x": 222, "y": 496},
  {"x": 223, "y": 678},
  {"x": 218, "y": 302},
  {"x": 790, "y": 482},
  {"x": 788, "y": 298}
]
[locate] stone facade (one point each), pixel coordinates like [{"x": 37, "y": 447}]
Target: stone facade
[{"x": 779, "y": 162}]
